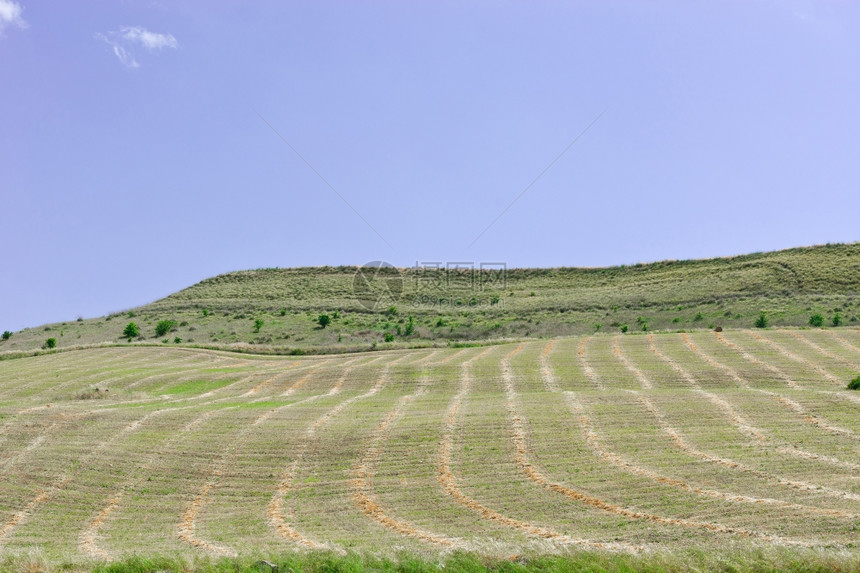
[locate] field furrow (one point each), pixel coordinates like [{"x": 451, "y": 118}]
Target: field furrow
[
  {"x": 607, "y": 443},
  {"x": 276, "y": 514},
  {"x": 743, "y": 425},
  {"x": 804, "y": 414},
  {"x": 450, "y": 484},
  {"x": 227, "y": 457},
  {"x": 591, "y": 437}
]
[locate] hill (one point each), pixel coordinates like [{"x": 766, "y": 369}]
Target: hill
[{"x": 366, "y": 306}]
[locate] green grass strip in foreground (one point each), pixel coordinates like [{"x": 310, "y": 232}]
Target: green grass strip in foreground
[{"x": 761, "y": 561}]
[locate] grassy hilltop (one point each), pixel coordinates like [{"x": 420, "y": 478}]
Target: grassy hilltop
[{"x": 226, "y": 310}]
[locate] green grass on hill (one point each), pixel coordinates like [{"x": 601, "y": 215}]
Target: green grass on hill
[{"x": 788, "y": 286}]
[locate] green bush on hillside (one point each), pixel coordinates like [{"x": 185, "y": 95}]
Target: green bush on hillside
[
  {"x": 258, "y": 324},
  {"x": 163, "y": 327},
  {"x": 323, "y": 320},
  {"x": 761, "y": 321},
  {"x": 50, "y": 343},
  {"x": 816, "y": 320},
  {"x": 131, "y": 331},
  {"x": 837, "y": 320},
  {"x": 7, "y": 335},
  {"x": 854, "y": 384},
  {"x": 389, "y": 337}
]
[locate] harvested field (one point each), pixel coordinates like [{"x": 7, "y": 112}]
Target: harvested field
[{"x": 626, "y": 444}]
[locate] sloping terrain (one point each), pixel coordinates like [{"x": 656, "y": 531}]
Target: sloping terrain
[
  {"x": 619, "y": 443},
  {"x": 789, "y": 286}
]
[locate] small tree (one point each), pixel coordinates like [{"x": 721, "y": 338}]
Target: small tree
[
  {"x": 163, "y": 327},
  {"x": 816, "y": 320},
  {"x": 131, "y": 331},
  {"x": 410, "y": 327},
  {"x": 837, "y": 320},
  {"x": 323, "y": 320},
  {"x": 761, "y": 321},
  {"x": 389, "y": 337},
  {"x": 854, "y": 384},
  {"x": 7, "y": 335},
  {"x": 51, "y": 343},
  {"x": 258, "y": 324}
]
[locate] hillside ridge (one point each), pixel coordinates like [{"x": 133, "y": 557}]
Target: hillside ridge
[{"x": 278, "y": 309}]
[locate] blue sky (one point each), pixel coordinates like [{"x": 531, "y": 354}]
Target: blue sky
[{"x": 134, "y": 160}]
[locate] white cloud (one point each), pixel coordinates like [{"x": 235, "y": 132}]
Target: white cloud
[
  {"x": 124, "y": 40},
  {"x": 10, "y": 15},
  {"x": 149, "y": 40}
]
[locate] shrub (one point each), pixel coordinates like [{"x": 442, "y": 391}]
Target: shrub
[
  {"x": 283, "y": 312},
  {"x": 177, "y": 340},
  {"x": 163, "y": 327},
  {"x": 51, "y": 343},
  {"x": 392, "y": 310},
  {"x": 854, "y": 384},
  {"x": 837, "y": 320},
  {"x": 131, "y": 331},
  {"x": 698, "y": 317},
  {"x": 389, "y": 337},
  {"x": 7, "y": 335},
  {"x": 816, "y": 320},
  {"x": 623, "y": 328},
  {"x": 205, "y": 312},
  {"x": 761, "y": 321},
  {"x": 258, "y": 324},
  {"x": 323, "y": 320},
  {"x": 410, "y": 327}
]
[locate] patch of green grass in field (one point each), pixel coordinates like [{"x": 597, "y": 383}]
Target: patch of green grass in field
[
  {"x": 262, "y": 405},
  {"x": 196, "y": 386},
  {"x": 223, "y": 370}
]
